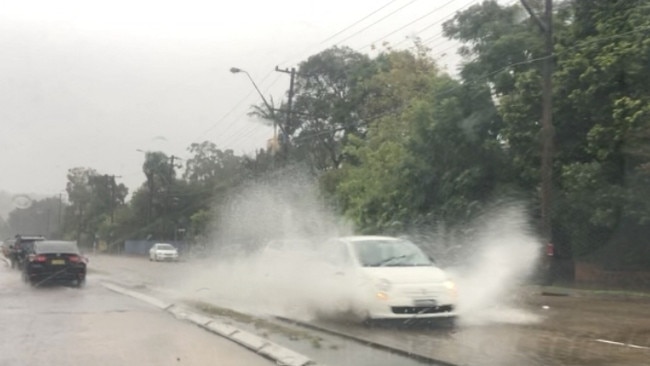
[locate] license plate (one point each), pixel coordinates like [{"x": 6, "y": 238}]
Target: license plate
[
  {"x": 425, "y": 303},
  {"x": 58, "y": 261}
]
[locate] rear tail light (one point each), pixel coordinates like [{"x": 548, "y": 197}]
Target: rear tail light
[
  {"x": 37, "y": 258},
  {"x": 74, "y": 259},
  {"x": 550, "y": 249}
]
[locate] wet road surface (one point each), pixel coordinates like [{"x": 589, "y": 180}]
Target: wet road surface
[
  {"x": 94, "y": 326},
  {"x": 571, "y": 330}
]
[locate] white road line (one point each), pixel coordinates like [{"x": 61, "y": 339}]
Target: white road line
[{"x": 622, "y": 344}]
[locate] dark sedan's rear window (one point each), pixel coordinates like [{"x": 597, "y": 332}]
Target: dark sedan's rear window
[{"x": 56, "y": 247}]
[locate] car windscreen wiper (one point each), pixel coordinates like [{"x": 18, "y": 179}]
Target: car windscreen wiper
[{"x": 392, "y": 260}]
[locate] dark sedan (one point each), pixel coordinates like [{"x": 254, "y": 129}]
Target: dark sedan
[{"x": 55, "y": 261}]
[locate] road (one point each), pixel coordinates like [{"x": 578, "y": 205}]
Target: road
[
  {"x": 94, "y": 326},
  {"x": 540, "y": 330}
]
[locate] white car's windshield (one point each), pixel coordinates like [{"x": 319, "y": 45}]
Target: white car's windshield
[
  {"x": 165, "y": 247},
  {"x": 389, "y": 253}
]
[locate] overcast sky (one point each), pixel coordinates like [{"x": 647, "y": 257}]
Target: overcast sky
[{"x": 87, "y": 83}]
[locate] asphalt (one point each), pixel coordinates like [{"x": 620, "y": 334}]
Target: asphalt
[{"x": 280, "y": 355}]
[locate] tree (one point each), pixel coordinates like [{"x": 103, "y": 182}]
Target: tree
[
  {"x": 430, "y": 157},
  {"x": 93, "y": 199},
  {"x": 604, "y": 97},
  {"x": 209, "y": 165},
  {"x": 600, "y": 111},
  {"x": 502, "y": 48},
  {"x": 324, "y": 113}
]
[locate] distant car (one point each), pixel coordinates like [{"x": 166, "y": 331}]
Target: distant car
[
  {"x": 20, "y": 247},
  {"x": 55, "y": 261},
  {"x": 163, "y": 252},
  {"x": 394, "y": 279}
]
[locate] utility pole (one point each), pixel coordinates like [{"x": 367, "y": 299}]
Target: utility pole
[
  {"x": 59, "y": 218},
  {"x": 288, "y": 122},
  {"x": 166, "y": 204},
  {"x": 172, "y": 166},
  {"x": 548, "y": 132}
]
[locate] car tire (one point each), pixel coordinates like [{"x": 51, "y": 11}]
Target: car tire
[
  {"x": 369, "y": 322},
  {"x": 448, "y": 323},
  {"x": 79, "y": 283}
]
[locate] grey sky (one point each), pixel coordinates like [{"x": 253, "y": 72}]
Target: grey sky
[{"x": 87, "y": 83}]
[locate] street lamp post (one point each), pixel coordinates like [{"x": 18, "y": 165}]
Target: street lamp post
[{"x": 236, "y": 70}]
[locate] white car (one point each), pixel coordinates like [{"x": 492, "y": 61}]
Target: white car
[
  {"x": 163, "y": 252},
  {"x": 393, "y": 278}
]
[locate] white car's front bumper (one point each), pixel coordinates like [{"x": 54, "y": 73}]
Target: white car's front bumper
[
  {"x": 412, "y": 301},
  {"x": 166, "y": 257}
]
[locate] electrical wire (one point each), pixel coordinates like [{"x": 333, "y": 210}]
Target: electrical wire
[
  {"x": 340, "y": 32},
  {"x": 230, "y": 125},
  {"x": 407, "y": 24},
  {"x": 357, "y": 22},
  {"x": 376, "y": 22},
  {"x": 447, "y": 17}
]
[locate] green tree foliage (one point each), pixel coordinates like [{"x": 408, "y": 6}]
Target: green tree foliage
[
  {"x": 600, "y": 112},
  {"x": 430, "y": 158},
  {"x": 325, "y": 112},
  {"x": 93, "y": 198},
  {"x": 211, "y": 166}
]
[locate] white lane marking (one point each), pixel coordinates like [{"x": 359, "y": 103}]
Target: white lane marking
[{"x": 622, "y": 344}]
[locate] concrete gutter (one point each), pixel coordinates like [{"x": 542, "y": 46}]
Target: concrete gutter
[{"x": 260, "y": 345}]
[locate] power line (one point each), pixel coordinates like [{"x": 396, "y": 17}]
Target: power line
[
  {"x": 223, "y": 117},
  {"x": 237, "y": 135},
  {"x": 357, "y": 22},
  {"x": 341, "y": 31},
  {"x": 481, "y": 78},
  {"x": 332, "y": 37},
  {"x": 448, "y": 16},
  {"x": 407, "y": 24},
  {"x": 376, "y": 22}
]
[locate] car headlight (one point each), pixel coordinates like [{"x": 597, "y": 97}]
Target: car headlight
[
  {"x": 450, "y": 285},
  {"x": 381, "y": 295}
]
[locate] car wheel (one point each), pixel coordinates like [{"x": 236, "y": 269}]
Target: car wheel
[
  {"x": 448, "y": 323},
  {"x": 79, "y": 283},
  {"x": 368, "y": 322}
]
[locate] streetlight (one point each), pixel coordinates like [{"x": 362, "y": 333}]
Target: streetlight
[{"x": 236, "y": 70}]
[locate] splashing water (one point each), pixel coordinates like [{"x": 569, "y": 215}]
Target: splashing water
[
  {"x": 504, "y": 253},
  {"x": 499, "y": 253}
]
